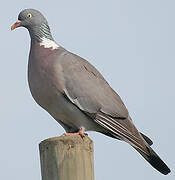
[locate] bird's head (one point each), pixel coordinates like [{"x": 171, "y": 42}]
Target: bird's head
[
  {"x": 29, "y": 18},
  {"x": 35, "y": 22}
]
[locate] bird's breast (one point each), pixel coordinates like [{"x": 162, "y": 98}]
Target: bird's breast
[{"x": 42, "y": 80}]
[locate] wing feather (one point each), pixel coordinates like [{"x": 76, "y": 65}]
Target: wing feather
[
  {"x": 87, "y": 89},
  {"x": 120, "y": 131}
]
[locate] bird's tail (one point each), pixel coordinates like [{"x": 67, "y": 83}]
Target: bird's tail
[
  {"x": 124, "y": 129},
  {"x": 154, "y": 160}
]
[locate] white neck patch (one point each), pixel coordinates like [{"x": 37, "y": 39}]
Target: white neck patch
[{"x": 47, "y": 43}]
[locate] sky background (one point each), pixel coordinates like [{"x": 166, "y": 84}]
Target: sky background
[{"x": 131, "y": 43}]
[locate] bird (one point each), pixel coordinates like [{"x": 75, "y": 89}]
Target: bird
[{"x": 75, "y": 93}]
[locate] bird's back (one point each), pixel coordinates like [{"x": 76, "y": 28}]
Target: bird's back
[{"x": 86, "y": 84}]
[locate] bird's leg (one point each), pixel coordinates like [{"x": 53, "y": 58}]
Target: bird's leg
[{"x": 80, "y": 132}]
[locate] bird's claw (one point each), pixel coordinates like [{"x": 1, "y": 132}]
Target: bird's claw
[{"x": 80, "y": 132}]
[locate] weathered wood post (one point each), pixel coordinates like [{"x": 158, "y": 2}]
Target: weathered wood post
[{"x": 67, "y": 158}]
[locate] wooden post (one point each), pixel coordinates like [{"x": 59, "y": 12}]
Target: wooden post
[{"x": 67, "y": 158}]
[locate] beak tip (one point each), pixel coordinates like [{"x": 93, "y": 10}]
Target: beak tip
[{"x": 14, "y": 26}]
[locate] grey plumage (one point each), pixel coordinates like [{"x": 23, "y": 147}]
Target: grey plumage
[{"x": 75, "y": 93}]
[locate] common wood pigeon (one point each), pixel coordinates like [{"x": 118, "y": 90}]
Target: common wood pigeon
[{"x": 75, "y": 93}]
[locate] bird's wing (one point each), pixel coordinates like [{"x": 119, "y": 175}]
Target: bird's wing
[{"x": 86, "y": 88}]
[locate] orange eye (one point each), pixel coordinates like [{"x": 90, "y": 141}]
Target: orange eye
[{"x": 29, "y": 15}]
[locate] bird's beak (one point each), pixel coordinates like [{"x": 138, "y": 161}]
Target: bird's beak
[{"x": 17, "y": 24}]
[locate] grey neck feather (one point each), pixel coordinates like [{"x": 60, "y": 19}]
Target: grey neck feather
[{"x": 39, "y": 32}]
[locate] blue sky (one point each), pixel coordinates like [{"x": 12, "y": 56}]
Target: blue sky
[{"x": 131, "y": 43}]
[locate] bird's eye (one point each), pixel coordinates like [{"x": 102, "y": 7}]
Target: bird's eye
[{"x": 29, "y": 15}]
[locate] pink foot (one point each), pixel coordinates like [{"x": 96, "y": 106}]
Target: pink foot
[{"x": 80, "y": 132}]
